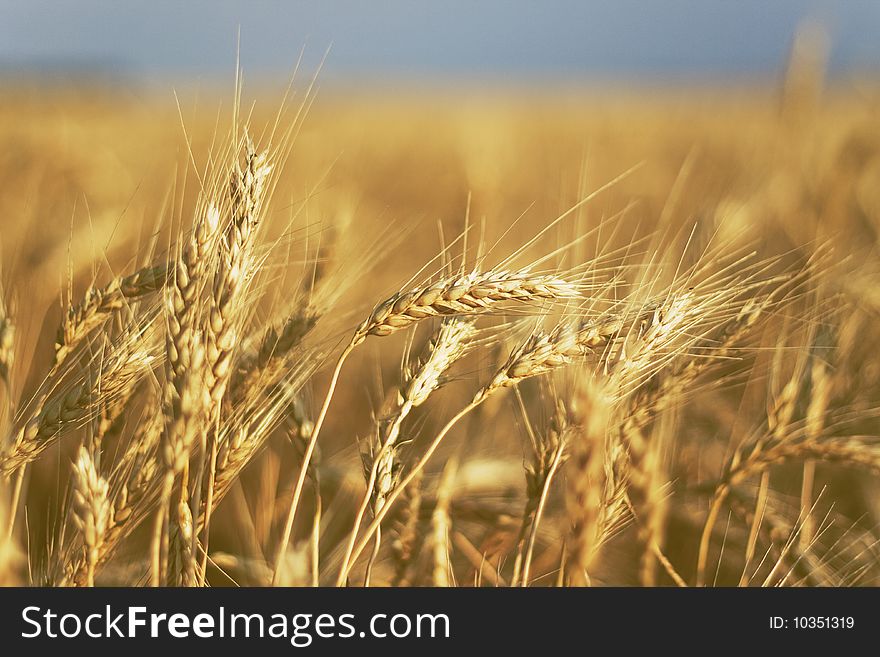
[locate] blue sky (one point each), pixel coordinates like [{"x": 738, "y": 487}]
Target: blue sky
[{"x": 492, "y": 40}]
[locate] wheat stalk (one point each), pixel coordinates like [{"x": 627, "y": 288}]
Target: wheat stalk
[
  {"x": 183, "y": 402},
  {"x": 299, "y": 431},
  {"x": 658, "y": 335},
  {"x": 185, "y": 408},
  {"x": 446, "y": 346},
  {"x": 541, "y": 353},
  {"x": 230, "y": 278},
  {"x": 182, "y": 564},
  {"x": 468, "y": 294},
  {"x": 461, "y": 295},
  {"x": 441, "y": 527},
  {"x": 134, "y": 485},
  {"x": 548, "y": 455}
]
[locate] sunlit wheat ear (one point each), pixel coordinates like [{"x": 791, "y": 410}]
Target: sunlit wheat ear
[
  {"x": 227, "y": 304},
  {"x": 660, "y": 335},
  {"x": 447, "y": 346},
  {"x": 135, "y": 483},
  {"x": 470, "y": 294},
  {"x": 421, "y": 378},
  {"x": 540, "y": 354},
  {"x": 662, "y": 390},
  {"x": 183, "y": 299},
  {"x": 91, "y": 508},
  {"x": 262, "y": 363},
  {"x": 855, "y": 451},
  {"x": 183, "y": 408},
  {"x": 544, "y": 352},
  {"x": 99, "y": 303},
  {"x": 667, "y": 388},
  {"x": 133, "y": 488},
  {"x": 585, "y": 476},
  {"x": 234, "y": 269},
  {"x": 263, "y": 353},
  {"x": 184, "y": 412},
  {"x": 72, "y": 405},
  {"x": 657, "y": 338}
]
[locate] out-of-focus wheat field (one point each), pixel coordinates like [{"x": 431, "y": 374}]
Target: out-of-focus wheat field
[{"x": 99, "y": 183}]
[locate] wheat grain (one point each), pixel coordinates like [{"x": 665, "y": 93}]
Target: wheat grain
[
  {"x": 92, "y": 509},
  {"x": 98, "y": 303},
  {"x": 468, "y": 294},
  {"x": 60, "y": 410},
  {"x": 233, "y": 270}
]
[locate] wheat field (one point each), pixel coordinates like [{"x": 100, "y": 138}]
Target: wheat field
[{"x": 511, "y": 339}]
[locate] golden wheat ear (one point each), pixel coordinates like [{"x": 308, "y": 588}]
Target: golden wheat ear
[
  {"x": 453, "y": 295},
  {"x": 98, "y": 304}
]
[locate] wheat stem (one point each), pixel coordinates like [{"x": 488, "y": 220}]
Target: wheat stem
[
  {"x": 398, "y": 490},
  {"x": 307, "y": 457},
  {"x": 539, "y": 512}
]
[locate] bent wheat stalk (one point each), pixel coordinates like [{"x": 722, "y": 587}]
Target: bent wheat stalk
[
  {"x": 540, "y": 354},
  {"x": 548, "y": 452},
  {"x": 468, "y": 294},
  {"x": 557, "y": 456},
  {"x": 447, "y": 346}
]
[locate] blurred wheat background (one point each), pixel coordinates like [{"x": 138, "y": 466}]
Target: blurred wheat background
[{"x": 641, "y": 346}]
